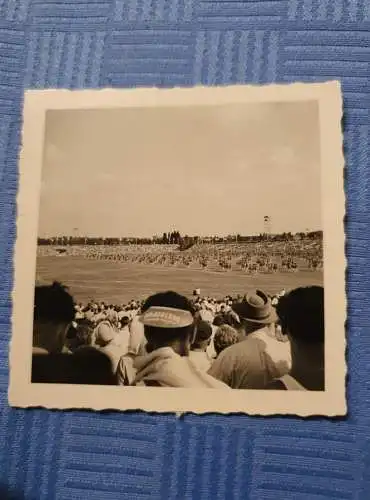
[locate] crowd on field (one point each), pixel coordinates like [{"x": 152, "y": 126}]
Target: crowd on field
[{"x": 252, "y": 257}]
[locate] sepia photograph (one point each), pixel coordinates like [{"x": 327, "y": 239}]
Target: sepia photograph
[{"x": 174, "y": 243}]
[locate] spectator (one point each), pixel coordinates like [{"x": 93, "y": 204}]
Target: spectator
[
  {"x": 168, "y": 320},
  {"x": 53, "y": 314},
  {"x": 122, "y": 337},
  {"x": 225, "y": 336},
  {"x": 257, "y": 360},
  {"x": 105, "y": 342},
  {"x": 104, "y": 328},
  {"x": 79, "y": 334},
  {"x": 137, "y": 340},
  {"x": 301, "y": 313},
  {"x": 198, "y": 352}
]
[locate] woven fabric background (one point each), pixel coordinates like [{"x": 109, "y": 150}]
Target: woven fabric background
[{"x": 125, "y": 43}]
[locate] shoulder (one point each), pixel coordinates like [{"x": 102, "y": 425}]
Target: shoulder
[
  {"x": 104, "y": 326},
  {"x": 125, "y": 372}
]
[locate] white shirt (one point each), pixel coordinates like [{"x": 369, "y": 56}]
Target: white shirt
[{"x": 200, "y": 360}]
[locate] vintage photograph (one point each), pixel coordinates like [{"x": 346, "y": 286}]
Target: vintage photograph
[{"x": 180, "y": 241}]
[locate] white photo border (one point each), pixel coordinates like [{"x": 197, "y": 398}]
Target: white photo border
[{"x": 23, "y": 393}]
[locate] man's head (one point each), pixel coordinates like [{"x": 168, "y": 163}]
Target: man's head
[
  {"x": 112, "y": 316},
  {"x": 225, "y": 336},
  {"x": 255, "y": 312},
  {"x": 53, "y": 313},
  {"x": 104, "y": 334},
  {"x": 202, "y": 336},
  {"x": 168, "y": 320},
  {"x": 125, "y": 320},
  {"x": 301, "y": 314}
]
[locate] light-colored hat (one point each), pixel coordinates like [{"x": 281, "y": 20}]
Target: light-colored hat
[
  {"x": 166, "y": 317},
  {"x": 206, "y": 315},
  {"x": 104, "y": 334},
  {"x": 256, "y": 308}
]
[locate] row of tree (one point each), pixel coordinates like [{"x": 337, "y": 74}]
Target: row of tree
[{"x": 175, "y": 238}]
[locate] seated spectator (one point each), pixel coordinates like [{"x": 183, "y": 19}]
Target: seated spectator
[
  {"x": 53, "y": 315},
  {"x": 259, "y": 358},
  {"x": 71, "y": 342},
  {"x": 89, "y": 313},
  {"x": 86, "y": 366},
  {"x": 104, "y": 328},
  {"x": 301, "y": 313},
  {"x": 168, "y": 320},
  {"x": 122, "y": 337},
  {"x": 198, "y": 352},
  {"x": 79, "y": 334},
  {"x": 106, "y": 342},
  {"x": 219, "y": 320},
  {"x": 225, "y": 336},
  {"x": 137, "y": 340},
  {"x": 112, "y": 316}
]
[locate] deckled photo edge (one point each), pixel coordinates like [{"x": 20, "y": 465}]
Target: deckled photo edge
[{"x": 23, "y": 394}]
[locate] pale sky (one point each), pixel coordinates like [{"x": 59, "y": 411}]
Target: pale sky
[{"x": 200, "y": 170}]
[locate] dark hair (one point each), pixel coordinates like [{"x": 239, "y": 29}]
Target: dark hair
[
  {"x": 225, "y": 336},
  {"x": 203, "y": 334},
  {"x": 168, "y": 299},
  {"x": 85, "y": 329},
  {"x": 53, "y": 303},
  {"x": 301, "y": 314},
  {"x": 125, "y": 320},
  {"x": 219, "y": 320},
  {"x": 92, "y": 367},
  {"x": 167, "y": 335},
  {"x": 86, "y": 366}
]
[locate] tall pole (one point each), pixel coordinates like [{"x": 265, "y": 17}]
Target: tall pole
[{"x": 267, "y": 225}]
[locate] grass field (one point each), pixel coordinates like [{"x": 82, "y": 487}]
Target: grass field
[{"x": 119, "y": 282}]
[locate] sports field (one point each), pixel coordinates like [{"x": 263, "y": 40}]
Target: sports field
[{"x": 119, "y": 282}]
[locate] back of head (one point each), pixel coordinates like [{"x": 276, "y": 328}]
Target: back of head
[
  {"x": 85, "y": 329},
  {"x": 219, "y": 320},
  {"x": 86, "y": 366},
  {"x": 104, "y": 333},
  {"x": 301, "y": 314},
  {"x": 112, "y": 316},
  {"x": 53, "y": 303},
  {"x": 53, "y": 313},
  {"x": 254, "y": 311},
  {"x": 167, "y": 317},
  {"x": 125, "y": 320},
  {"x": 92, "y": 367},
  {"x": 203, "y": 334},
  {"x": 225, "y": 336},
  {"x": 205, "y": 315}
]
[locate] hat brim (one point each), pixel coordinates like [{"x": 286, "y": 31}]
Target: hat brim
[
  {"x": 272, "y": 318},
  {"x": 267, "y": 321},
  {"x": 166, "y": 317}
]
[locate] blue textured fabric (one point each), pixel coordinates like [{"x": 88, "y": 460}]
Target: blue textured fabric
[{"x": 124, "y": 43}]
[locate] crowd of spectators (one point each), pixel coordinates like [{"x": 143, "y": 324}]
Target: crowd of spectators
[
  {"x": 251, "y": 257},
  {"x": 246, "y": 342}
]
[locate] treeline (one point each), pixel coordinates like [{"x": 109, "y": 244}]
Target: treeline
[
  {"x": 171, "y": 238},
  {"x": 175, "y": 238},
  {"x": 312, "y": 235}
]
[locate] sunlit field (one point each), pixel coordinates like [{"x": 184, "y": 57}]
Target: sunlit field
[{"x": 118, "y": 282}]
